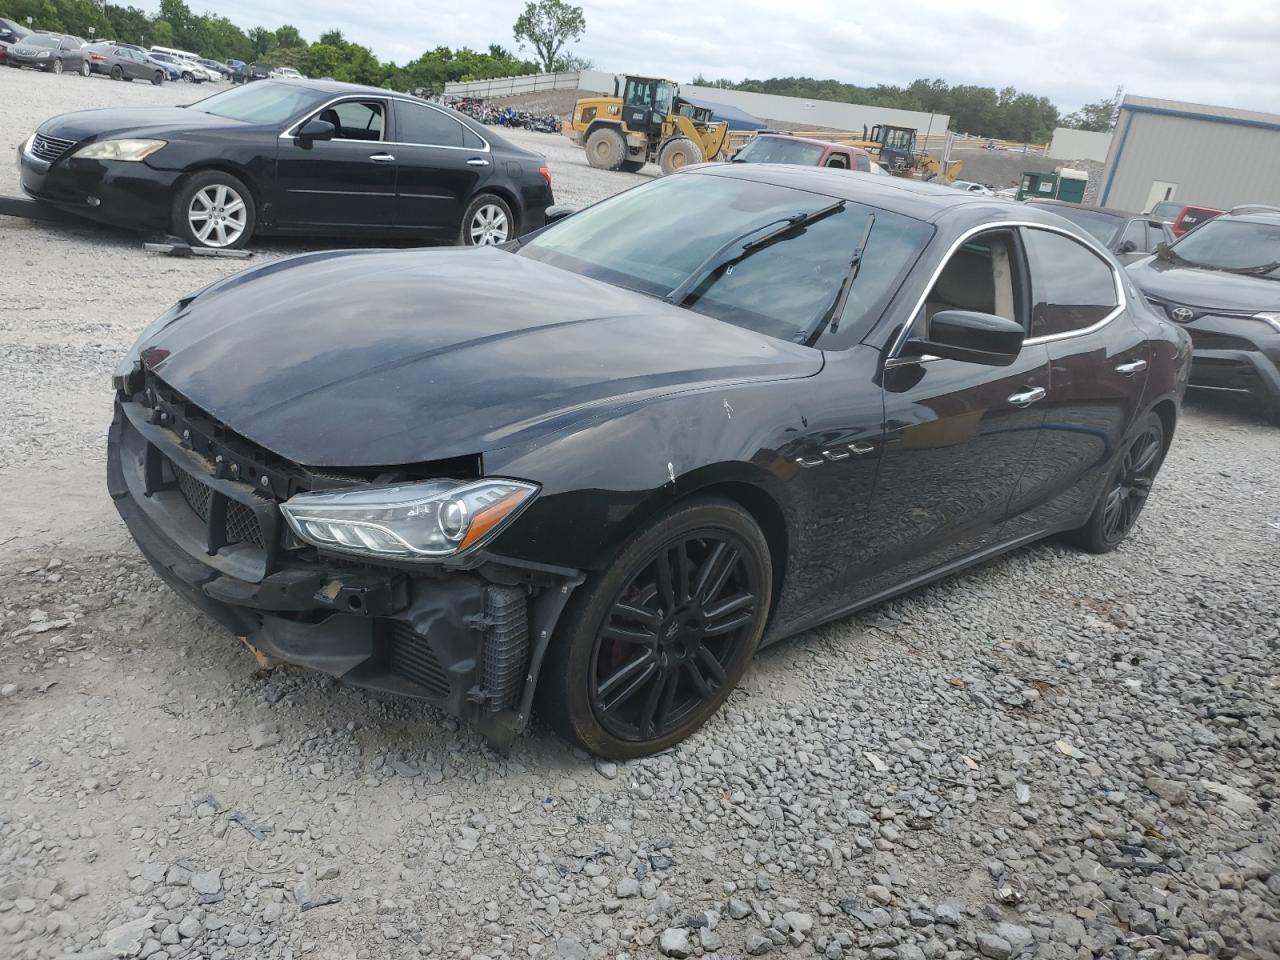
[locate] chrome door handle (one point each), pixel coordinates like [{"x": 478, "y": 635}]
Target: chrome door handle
[
  {"x": 1129, "y": 369},
  {"x": 861, "y": 447},
  {"x": 382, "y": 158},
  {"x": 1027, "y": 397},
  {"x": 477, "y": 162}
]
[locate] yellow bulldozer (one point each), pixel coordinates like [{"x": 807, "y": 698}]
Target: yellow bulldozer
[
  {"x": 894, "y": 148},
  {"x": 645, "y": 121}
]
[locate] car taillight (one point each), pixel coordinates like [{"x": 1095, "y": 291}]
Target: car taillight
[
  {"x": 97, "y": 56},
  {"x": 546, "y": 175}
]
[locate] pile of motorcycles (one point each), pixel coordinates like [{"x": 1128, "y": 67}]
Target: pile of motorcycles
[{"x": 483, "y": 111}]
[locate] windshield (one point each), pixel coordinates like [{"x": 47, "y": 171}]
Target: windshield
[
  {"x": 259, "y": 103},
  {"x": 1166, "y": 210},
  {"x": 1101, "y": 226},
  {"x": 1224, "y": 244},
  {"x": 779, "y": 150},
  {"x": 656, "y": 237},
  {"x": 42, "y": 40}
]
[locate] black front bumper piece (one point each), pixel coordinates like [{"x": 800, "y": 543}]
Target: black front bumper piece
[{"x": 467, "y": 642}]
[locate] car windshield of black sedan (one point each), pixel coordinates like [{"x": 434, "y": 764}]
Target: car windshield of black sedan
[
  {"x": 655, "y": 237},
  {"x": 259, "y": 103},
  {"x": 1101, "y": 226},
  {"x": 41, "y": 41},
  {"x": 1223, "y": 244}
]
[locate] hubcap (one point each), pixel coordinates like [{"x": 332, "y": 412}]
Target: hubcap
[
  {"x": 217, "y": 215},
  {"x": 673, "y": 637},
  {"x": 489, "y": 226},
  {"x": 1132, "y": 485}
]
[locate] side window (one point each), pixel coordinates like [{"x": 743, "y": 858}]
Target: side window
[
  {"x": 1135, "y": 233},
  {"x": 471, "y": 140},
  {"x": 416, "y": 123},
  {"x": 838, "y": 160},
  {"x": 981, "y": 277},
  {"x": 862, "y": 162},
  {"x": 357, "y": 119},
  {"x": 66, "y": 44},
  {"x": 1071, "y": 287}
]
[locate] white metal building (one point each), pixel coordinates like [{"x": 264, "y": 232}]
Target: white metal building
[{"x": 1171, "y": 150}]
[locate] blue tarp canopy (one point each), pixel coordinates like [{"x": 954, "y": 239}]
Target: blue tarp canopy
[{"x": 737, "y": 119}]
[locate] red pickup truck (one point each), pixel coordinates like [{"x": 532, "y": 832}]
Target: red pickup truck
[{"x": 780, "y": 148}]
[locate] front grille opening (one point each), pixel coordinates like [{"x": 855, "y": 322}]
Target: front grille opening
[
  {"x": 50, "y": 148},
  {"x": 242, "y": 524},
  {"x": 413, "y": 659}
]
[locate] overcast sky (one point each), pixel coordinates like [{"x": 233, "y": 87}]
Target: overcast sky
[{"x": 1224, "y": 52}]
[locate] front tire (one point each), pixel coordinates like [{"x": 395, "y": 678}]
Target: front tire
[
  {"x": 57, "y": 67},
  {"x": 117, "y": 73},
  {"x": 678, "y": 152},
  {"x": 606, "y": 149},
  {"x": 157, "y": 78},
  {"x": 214, "y": 209},
  {"x": 1128, "y": 486},
  {"x": 488, "y": 221},
  {"x": 652, "y": 646}
]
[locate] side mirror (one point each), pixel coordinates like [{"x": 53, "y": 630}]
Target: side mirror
[
  {"x": 316, "y": 129},
  {"x": 557, "y": 212},
  {"x": 971, "y": 337},
  {"x": 1162, "y": 250},
  {"x": 1127, "y": 247}
]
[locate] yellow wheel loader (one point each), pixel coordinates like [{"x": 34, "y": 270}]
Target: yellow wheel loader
[
  {"x": 645, "y": 121},
  {"x": 894, "y": 148}
]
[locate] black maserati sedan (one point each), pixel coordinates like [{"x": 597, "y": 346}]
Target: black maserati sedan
[
  {"x": 310, "y": 157},
  {"x": 601, "y": 466},
  {"x": 1221, "y": 282}
]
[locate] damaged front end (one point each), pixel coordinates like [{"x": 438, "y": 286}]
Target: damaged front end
[{"x": 465, "y": 630}]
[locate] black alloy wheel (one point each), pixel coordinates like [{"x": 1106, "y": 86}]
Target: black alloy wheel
[
  {"x": 657, "y": 642},
  {"x": 117, "y": 73},
  {"x": 1128, "y": 487}
]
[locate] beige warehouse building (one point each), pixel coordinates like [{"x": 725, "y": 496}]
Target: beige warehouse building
[{"x": 1171, "y": 150}]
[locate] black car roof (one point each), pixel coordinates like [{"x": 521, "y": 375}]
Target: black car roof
[
  {"x": 911, "y": 198},
  {"x": 1110, "y": 211}
]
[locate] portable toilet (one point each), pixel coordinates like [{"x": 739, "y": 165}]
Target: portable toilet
[
  {"x": 1039, "y": 186},
  {"x": 1071, "y": 184}
]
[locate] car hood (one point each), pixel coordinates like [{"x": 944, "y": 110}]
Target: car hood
[
  {"x": 1198, "y": 287},
  {"x": 120, "y": 120},
  {"x": 358, "y": 358}
]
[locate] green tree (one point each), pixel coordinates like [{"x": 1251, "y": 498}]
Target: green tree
[
  {"x": 260, "y": 41},
  {"x": 289, "y": 36},
  {"x": 547, "y": 25},
  {"x": 1098, "y": 117}
]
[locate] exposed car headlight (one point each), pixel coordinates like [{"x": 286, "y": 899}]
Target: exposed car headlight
[
  {"x": 409, "y": 521},
  {"x": 1271, "y": 319},
  {"x": 132, "y": 150}
]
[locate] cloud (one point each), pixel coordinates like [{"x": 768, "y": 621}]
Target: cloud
[{"x": 1072, "y": 51}]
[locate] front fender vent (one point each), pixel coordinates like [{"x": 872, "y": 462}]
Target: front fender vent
[{"x": 505, "y": 650}]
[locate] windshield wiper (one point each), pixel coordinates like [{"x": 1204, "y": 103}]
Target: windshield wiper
[
  {"x": 831, "y": 319},
  {"x": 782, "y": 227},
  {"x": 1259, "y": 271}
]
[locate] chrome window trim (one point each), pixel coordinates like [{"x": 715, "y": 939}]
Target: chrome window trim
[
  {"x": 1091, "y": 245},
  {"x": 290, "y": 130}
]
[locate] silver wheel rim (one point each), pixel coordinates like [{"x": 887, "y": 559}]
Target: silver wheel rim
[
  {"x": 57, "y": 66},
  {"x": 217, "y": 215},
  {"x": 489, "y": 226}
]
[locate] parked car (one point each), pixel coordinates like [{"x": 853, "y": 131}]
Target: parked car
[
  {"x": 781, "y": 148},
  {"x": 52, "y": 52},
  {"x": 296, "y": 157},
  {"x": 123, "y": 62},
  {"x": 1189, "y": 218},
  {"x": 968, "y": 186},
  {"x": 286, "y": 73},
  {"x": 11, "y": 31},
  {"x": 260, "y": 71},
  {"x": 187, "y": 70},
  {"x": 820, "y": 391},
  {"x": 1129, "y": 236},
  {"x": 1221, "y": 283},
  {"x": 238, "y": 71},
  {"x": 1166, "y": 211},
  {"x": 213, "y": 66}
]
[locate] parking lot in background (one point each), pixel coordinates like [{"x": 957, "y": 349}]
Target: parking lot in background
[{"x": 1006, "y": 752}]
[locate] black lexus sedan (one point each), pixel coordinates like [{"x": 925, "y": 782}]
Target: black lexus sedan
[
  {"x": 1221, "y": 283},
  {"x": 604, "y": 465},
  {"x": 289, "y": 157}
]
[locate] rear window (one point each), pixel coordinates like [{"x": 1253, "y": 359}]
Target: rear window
[{"x": 780, "y": 150}]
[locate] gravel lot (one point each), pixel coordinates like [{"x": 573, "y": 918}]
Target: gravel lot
[{"x": 1054, "y": 755}]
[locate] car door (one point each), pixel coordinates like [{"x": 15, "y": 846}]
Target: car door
[
  {"x": 70, "y": 53},
  {"x": 1098, "y": 360},
  {"x": 347, "y": 183},
  {"x": 957, "y": 435},
  {"x": 439, "y": 163},
  {"x": 133, "y": 64}
]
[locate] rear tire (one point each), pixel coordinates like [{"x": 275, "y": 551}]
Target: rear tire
[
  {"x": 677, "y": 153},
  {"x": 85, "y": 69},
  {"x": 117, "y": 73},
  {"x": 212, "y": 195},
  {"x": 632, "y": 166},
  {"x": 1128, "y": 486},
  {"x": 638, "y": 662},
  {"x": 488, "y": 221},
  {"x": 606, "y": 149}
]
